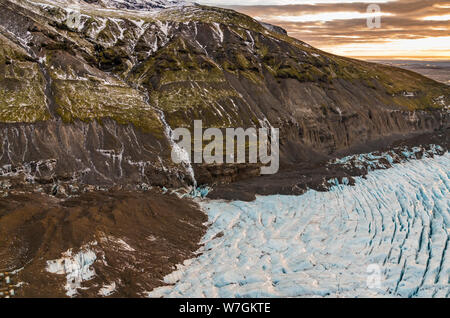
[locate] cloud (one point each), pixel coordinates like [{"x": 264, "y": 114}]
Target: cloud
[
  {"x": 339, "y": 26},
  {"x": 281, "y": 2},
  {"x": 323, "y": 17},
  {"x": 437, "y": 18}
]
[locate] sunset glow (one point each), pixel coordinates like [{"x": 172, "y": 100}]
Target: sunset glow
[
  {"x": 409, "y": 28},
  {"x": 321, "y": 17}
]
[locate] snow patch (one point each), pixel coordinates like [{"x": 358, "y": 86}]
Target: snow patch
[
  {"x": 77, "y": 268},
  {"x": 107, "y": 289}
]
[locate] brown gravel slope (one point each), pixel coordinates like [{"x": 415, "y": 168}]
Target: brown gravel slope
[{"x": 159, "y": 232}]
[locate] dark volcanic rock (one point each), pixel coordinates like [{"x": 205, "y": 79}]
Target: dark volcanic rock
[{"x": 91, "y": 153}]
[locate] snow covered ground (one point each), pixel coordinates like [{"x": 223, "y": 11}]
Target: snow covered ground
[
  {"x": 387, "y": 236},
  {"x": 77, "y": 268}
]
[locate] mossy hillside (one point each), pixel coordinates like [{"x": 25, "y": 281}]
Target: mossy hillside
[
  {"x": 328, "y": 68},
  {"x": 177, "y": 62},
  {"x": 183, "y": 82},
  {"x": 98, "y": 25},
  {"x": 302, "y": 73},
  {"x": 182, "y": 103},
  {"x": 401, "y": 87},
  {"x": 307, "y": 64},
  {"x": 113, "y": 59},
  {"x": 189, "y": 13},
  {"x": 182, "y": 62},
  {"x": 94, "y": 101},
  {"x": 242, "y": 64},
  {"x": 290, "y": 59},
  {"x": 82, "y": 95},
  {"x": 286, "y": 61},
  {"x": 85, "y": 93},
  {"x": 311, "y": 65},
  {"x": 22, "y": 86},
  {"x": 402, "y": 83},
  {"x": 45, "y": 8}
]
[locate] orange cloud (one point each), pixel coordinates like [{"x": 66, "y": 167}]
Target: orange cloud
[{"x": 409, "y": 28}]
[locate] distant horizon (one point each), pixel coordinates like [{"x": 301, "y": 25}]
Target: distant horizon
[{"x": 400, "y": 58}]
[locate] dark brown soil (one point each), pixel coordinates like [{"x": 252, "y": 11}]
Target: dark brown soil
[{"x": 163, "y": 231}]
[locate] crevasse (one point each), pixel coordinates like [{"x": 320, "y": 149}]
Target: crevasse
[{"x": 327, "y": 243}]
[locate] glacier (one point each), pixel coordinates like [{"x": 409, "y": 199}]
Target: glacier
[{"x": 386, "y": 236}]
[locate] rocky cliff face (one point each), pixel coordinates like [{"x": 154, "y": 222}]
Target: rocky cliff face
[{"x": 91, "y": 94}]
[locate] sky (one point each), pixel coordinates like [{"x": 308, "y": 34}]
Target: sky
[{"x": 408, "y": 29}]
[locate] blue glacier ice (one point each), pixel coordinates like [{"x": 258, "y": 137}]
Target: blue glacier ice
[{"x": 387, "y": 236}]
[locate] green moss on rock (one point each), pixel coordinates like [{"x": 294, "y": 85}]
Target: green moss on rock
[
  {"x": 88, "y": 101},
  {"x": 22, "y": 86}
]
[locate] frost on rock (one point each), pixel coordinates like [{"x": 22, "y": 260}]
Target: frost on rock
[
  {"x": 77, "y": 268},
  {"x": 327, "y": 243}
]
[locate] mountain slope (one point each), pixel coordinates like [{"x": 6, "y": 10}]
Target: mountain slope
[
  {"x": 90, "y": 92},
  {"x": 115, "y": 82}
]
